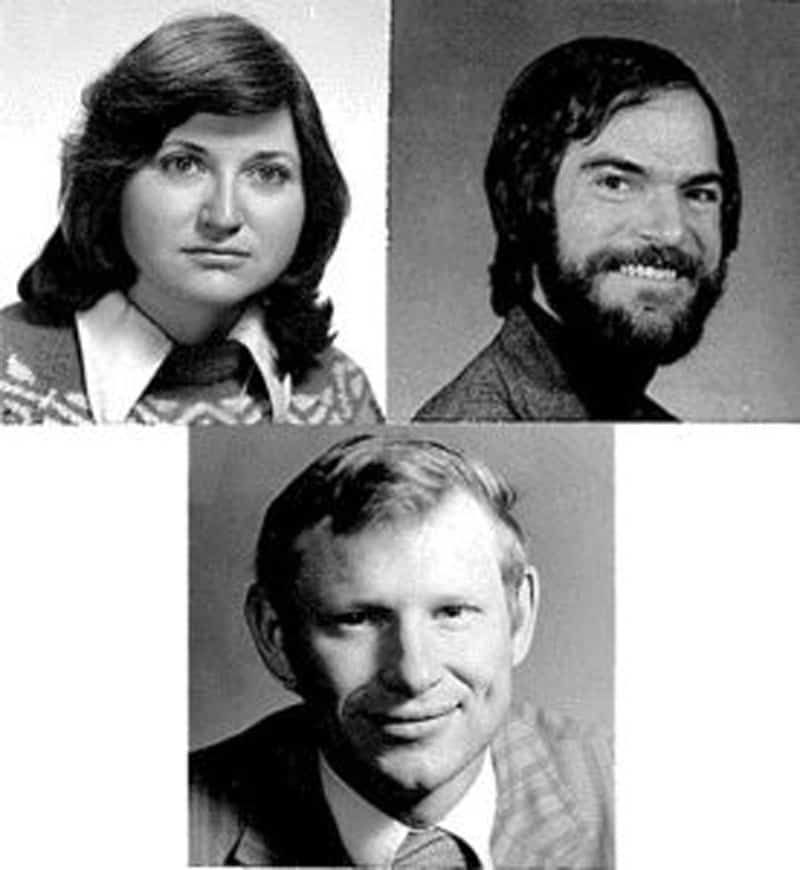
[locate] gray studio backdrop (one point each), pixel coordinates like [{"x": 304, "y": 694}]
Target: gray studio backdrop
[
  {"x": 451, "y": 65},
  {"x": 564, "y": 478}
]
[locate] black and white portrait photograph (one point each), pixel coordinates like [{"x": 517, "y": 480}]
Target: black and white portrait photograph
[
  {"x": 594, "y": 208},
  {"x": 511, "y": 583},
  {"x": 198, "y": 232},
  {"x": 392, "y": 583}
]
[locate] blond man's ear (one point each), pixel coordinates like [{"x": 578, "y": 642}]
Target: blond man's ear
[
  {"x": 267, "y": 632},
  {"x": 526, "y": 609}
]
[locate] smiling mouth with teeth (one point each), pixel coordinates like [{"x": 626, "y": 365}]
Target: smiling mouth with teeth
[{"x": 649, "y": 272}]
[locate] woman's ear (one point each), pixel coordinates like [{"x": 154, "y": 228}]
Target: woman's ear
[
  {"x": 526, "y": 609},
  {"x": 267, "y": 631}
]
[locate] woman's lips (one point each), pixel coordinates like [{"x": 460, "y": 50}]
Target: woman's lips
[{"x": 217, "y": 256}]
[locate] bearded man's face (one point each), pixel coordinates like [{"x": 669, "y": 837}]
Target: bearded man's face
[{"x": 636, "y": 257}]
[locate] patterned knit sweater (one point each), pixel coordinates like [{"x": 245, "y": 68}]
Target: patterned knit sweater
[{"x": 42, "y": 381}]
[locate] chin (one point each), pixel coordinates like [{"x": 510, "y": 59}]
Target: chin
[
  {"x": 217, "y": 295},
  {"x": 418, "y": 773},
  {"x": 661, "y": 336},
  {"x": 652, "y": 327}
]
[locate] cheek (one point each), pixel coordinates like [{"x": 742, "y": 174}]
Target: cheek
[
  {"x": 710, "y": 236},
  {"x": 582, "y": 228},
  {"x": 484, "y": 662},
  {"x": 278, "y": 225},
  {"x": 148, "y": 220},
  {"x": 337, "y": 670}
]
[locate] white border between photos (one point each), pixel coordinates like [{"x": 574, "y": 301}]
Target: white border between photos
[
  {"x": 93, "y": 643},
  {"x": 708, "y": 647}
]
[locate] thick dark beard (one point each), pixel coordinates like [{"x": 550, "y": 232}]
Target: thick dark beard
[{"x": 570, "y": 291}]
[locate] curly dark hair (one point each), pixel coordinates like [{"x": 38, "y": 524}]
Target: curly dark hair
[
  {"x": 219, "y": 64},
  {"x": 569, "y": 94}
]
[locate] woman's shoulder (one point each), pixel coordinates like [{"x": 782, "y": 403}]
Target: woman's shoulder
[
  {"x": 336, "y": 390},
  {"x": 23, "y": 323},
  {"x": 32, "y": 333},
  {"x": 39, "y": 365}
]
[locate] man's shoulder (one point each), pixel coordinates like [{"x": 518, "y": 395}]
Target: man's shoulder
[
  {"x": 484, "y": 389},
  {"x": 515, "y": 377},
  {"x": 227, "y": 766},
  {"x": 543, "y": 737},
  {"x": 477, "y": 392},
  {"x": 254, "y": 797},
  {"x": 237, "y": 782},
  {"x": 556, "y": 773}
]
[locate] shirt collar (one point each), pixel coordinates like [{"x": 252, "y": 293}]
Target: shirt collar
[
  {"x": 122, "y": 350},
  {"x": 372, "y": 838},
  {"x": 249, "y": 331}
]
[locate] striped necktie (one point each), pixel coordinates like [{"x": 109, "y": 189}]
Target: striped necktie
[{"x": 433, "y": 848}]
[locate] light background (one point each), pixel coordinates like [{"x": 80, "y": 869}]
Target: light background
[
  {"x": 51, "y": 49},
  {"x": 564, "y": 480},
  {"x": 451, "y": 66},
  {"x": 93, "y": 646}
]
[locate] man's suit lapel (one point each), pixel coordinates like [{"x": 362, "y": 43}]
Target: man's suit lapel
[
  {"x": 537, "y": 382},
  {"x": 537, "y": 818},
  {"x": 312, "y": 841},
  {"x": 292, "y": 810}
]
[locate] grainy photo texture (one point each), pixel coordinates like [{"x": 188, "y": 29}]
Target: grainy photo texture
[
  {"x": 427, "y": 680},
  {"x": 594, "y": 208}
]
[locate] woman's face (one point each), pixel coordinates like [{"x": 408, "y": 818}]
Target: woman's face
[{"x": 212, "y": 218}]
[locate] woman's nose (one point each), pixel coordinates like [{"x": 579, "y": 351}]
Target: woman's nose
[{"x": 220, "y": 213}]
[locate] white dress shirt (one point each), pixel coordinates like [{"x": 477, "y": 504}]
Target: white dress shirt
[
  {"x": 122, "y": 350},
  {"x": 372, "y": 838}
]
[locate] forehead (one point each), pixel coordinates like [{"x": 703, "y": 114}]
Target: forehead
[
  {"x": 455, "y": 545},
  {"x": 270, "y": 131},
  {"x": 672, "y": 130}
]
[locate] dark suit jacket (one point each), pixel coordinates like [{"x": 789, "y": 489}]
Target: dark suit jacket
[
  {"x": 256, "y": 799},
  {"x": 534, "y": 370}
]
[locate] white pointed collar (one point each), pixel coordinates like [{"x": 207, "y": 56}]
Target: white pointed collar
[{"x": 122, "y": 350}]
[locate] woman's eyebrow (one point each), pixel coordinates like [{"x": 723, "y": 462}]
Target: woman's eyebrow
[
  {"x": 185, "y": 143},
  {"x": 271, "y": 154},
  {"x": 261, "y": 154}
]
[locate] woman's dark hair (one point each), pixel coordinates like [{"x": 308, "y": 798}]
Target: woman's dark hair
[
  {"x": 569, "y": 94},
  {"x": 218, "y": 64}
]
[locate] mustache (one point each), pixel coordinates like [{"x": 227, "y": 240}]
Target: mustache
[{"x": 653, "y": 256}]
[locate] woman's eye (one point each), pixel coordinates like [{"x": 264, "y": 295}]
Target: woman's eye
[
  {"x": 271, "y": 174},
  {"x": 180, "y": 164}
]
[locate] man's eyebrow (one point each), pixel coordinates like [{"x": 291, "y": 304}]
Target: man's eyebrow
[
  {"x": 704, "y": 178},
  {"x": 603, "y": 161}
]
